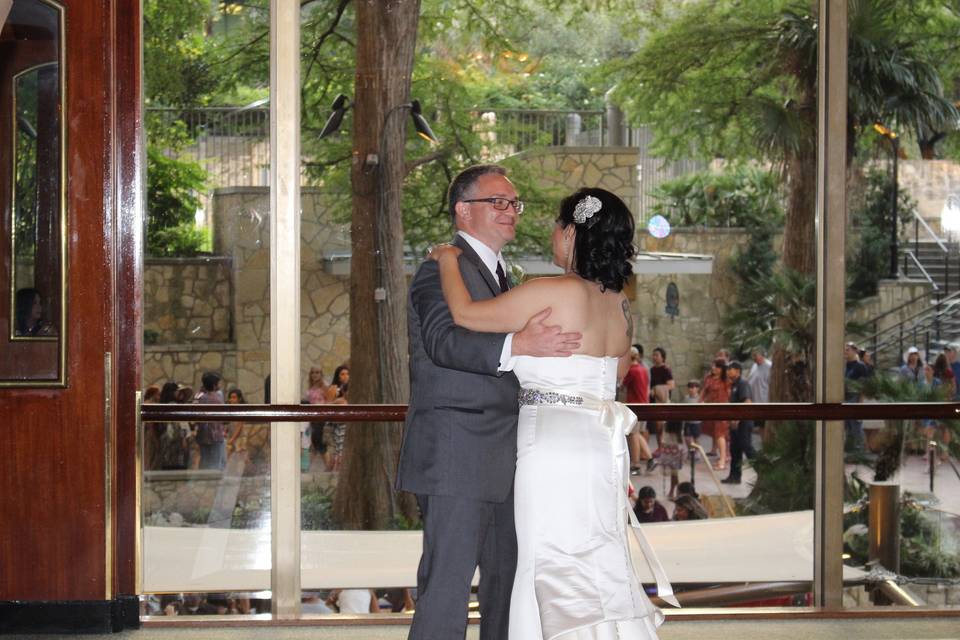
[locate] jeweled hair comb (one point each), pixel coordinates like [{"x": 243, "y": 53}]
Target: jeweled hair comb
[{"x": 585, "y": 209}]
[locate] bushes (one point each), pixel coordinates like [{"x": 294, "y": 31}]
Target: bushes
[
  {"x": 868, "y": 258},
  {"x": 741, "y": 197},
  {"x": 173, "y": 186}
]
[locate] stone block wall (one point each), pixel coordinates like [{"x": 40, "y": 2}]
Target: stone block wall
[
  {"x": 187, "y": 300},
  {"x": 693, "y": 336},
  {"x": 930, "y": 183},
  {"x": 570, "y": 168},
  {"x": 242, "y": 239},
  {"x": 238, "y": 285}
]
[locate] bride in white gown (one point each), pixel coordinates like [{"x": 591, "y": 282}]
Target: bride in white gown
[{"x": 578, "y": 540}]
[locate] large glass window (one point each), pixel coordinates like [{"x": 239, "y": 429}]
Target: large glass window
[
  {"x": 206, "y": 490},
  {"x": 716, "y": 155}
]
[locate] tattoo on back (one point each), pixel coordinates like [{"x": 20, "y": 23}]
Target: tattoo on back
[{"x": 625, "y": 305}]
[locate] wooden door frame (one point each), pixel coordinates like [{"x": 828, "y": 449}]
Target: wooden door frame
[{"x": 98, "y": 594}]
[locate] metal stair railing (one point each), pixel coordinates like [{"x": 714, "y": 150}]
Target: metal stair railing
[
  {"x": 922, "y": 327},
  {"x": 919, "y": 222}
]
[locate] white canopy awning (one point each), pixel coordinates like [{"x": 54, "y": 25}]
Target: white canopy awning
[
  {"x": 771, "y": 548},
  {"x": 644, "y": 263}
]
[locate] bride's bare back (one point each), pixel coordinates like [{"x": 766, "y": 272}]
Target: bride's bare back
[
  {"x": 576, "y": 304},
  {"x": 603, "y": 317}
]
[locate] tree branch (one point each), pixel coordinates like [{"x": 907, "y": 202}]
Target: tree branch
[
  {"x": 315, "y": 53},
  {"x": 422, "y": 160}
]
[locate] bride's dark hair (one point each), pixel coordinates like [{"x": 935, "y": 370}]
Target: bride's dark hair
[{"x": 603, "y": 246}]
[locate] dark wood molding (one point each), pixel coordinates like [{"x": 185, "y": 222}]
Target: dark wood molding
[{"x": 128, "y": 213}]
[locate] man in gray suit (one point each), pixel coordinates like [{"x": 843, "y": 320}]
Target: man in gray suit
[{"x": 459, "y": 446}]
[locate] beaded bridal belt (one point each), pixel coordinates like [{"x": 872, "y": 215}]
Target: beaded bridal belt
[{"x": 538, "y": 396}]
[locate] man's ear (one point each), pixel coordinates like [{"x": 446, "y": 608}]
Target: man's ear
[{"x": 462, "y": 211}]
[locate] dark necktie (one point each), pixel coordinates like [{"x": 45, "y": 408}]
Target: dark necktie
[{"x": 502, "y": 278}]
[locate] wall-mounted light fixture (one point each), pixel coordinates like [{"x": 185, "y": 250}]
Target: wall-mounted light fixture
[
  {"x": 339, "y": 107},
  {"x": 342, "y": 103}
]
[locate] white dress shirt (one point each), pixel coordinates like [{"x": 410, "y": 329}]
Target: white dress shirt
[{"x": 490, "y": 261}]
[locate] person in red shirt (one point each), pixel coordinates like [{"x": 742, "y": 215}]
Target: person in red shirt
[{"x": 636, "y": 383}]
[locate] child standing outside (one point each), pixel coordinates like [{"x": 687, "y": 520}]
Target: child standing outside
[{"x": 691, "y": 428}]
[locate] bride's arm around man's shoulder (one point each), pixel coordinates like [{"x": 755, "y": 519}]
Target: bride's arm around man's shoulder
[{"x": 507, "y": 312}]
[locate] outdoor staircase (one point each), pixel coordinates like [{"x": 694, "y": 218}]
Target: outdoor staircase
[
  {"x": 938, "y": 322},
  {"x": 936, "y": 261}
]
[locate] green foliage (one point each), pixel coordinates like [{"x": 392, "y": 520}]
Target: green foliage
[
  {"x": 785, "y": 471},
  {"x": 749, "y": 198},
  {"x": 315, "y": 509},
  {"x": 172, "y": 201},
  {"x": 893, "y": 388},
  {"x": 176, "y": 52},
  {"x": 401, "y": 523},
  {"x": 741, "y": 197},
  {"x": 869, "y": 257},
  {"x": 783, "y": 295},
  {"x": 723, "y": 77},
  {"x": 922, "y": 552}
]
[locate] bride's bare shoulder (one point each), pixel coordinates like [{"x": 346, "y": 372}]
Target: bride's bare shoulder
[{"x": 565, "y": 283}]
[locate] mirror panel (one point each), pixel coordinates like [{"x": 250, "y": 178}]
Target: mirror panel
[{"x": 32, "y": 192}]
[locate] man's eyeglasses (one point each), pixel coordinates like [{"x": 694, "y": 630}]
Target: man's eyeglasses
[{"x": 501, "y": 204}]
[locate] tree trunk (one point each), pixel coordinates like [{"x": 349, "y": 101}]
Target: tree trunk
[
  {"x": 790, "y": 379},
  {"x": 386, "y": 38}
]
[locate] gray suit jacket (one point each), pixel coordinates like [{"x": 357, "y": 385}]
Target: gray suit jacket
[{"x": 460, "y": 435}]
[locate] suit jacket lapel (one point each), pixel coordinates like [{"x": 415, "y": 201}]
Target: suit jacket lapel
[{"x": 472, "y": 256}]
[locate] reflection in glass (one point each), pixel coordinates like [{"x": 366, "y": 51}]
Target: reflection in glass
[
  {"x": 31, "y": 190},
  {"x": 35, "y": 214},
  {"x": 903, "y": 513}
]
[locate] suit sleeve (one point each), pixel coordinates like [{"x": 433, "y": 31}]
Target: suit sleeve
[{"x": 445, "y": 343}]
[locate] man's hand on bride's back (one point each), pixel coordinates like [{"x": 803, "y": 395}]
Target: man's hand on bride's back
[
  {"x": 441, "y": 250},
  {"x": 537, "y": 338}
]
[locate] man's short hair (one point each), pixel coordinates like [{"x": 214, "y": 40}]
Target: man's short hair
[
  {"x": 646, "y": 491},
  {"x": 735, "y": 365},
  {"x": 638, "y": 347},
  {"x": 693, "y": 384},
  {"x": 210, "y": 380},
  {"x": 759, "y": 350},
  {"x": 663, "y": 353},
  {"x": 464, "y": 180}
]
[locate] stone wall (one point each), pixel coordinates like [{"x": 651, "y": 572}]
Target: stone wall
[
  {"x": 693, "y": 336},
  {"x": 569, "y": 168},
  {"x": 242, "y": 239},
  {"x": 930, "y": 183},
  {"x": 187, "y": 300},
  {"x": 237, "y": 286},
  {"x": 893, "y": 294}
]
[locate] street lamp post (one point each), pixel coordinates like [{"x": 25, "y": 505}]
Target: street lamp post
[
  {"x": 895, "y": 145},
  {"x": 894, "y": 200}
]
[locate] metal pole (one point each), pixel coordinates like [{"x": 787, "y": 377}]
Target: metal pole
[
  {"x": 831, "y": 303},
  {"x": 614, "y": 122},
  {"x": 285, "y": 304},
  {"x": 894, "y": 222},
  {"x": 884, "y": 530}
]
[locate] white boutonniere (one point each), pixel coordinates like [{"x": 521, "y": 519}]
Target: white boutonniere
[{"x": 517, "y": 274}]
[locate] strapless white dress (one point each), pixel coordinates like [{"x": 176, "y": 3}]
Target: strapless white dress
[{"x": 577, "y": 537}]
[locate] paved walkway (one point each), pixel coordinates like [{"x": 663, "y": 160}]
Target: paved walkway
[{"x": 913, "y": 476}]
